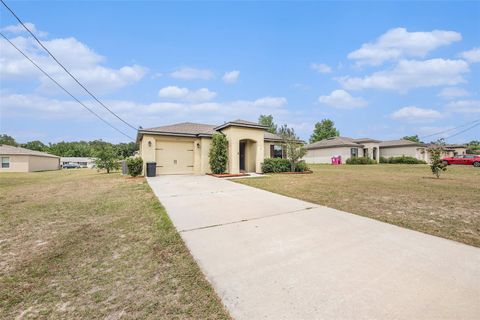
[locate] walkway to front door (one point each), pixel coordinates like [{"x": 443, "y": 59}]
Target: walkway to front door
[{"x": 274, "y": 257}]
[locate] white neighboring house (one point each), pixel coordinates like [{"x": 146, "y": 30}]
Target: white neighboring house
[
  {"x": 83, "y": 162},
  {"x": 322, "y": 151}
]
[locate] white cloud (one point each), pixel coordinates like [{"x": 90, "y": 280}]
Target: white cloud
[
  {"x": 341, "y": 99},
  {"x": 453, "y": 92},
  {"x": 85, "y": 64},
  {"x": 399, "y": 43},
  {"x": 188, "y": 73},
  {"x": 321, "y": 67},
  {"x": 231, "y": 76},
  {"x": 173, "y": 92},
  {"x": 415, "y": 114},
  {"x": 471, "y": 56},
  {"x": 409, "y": 74},
  {"x": 19, "y": 29},
  {"x": 270, "y": 102},
  {"x": 464, "y": 106}
]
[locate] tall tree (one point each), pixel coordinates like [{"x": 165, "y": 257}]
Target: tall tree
[
  {"x": 35, "y": 145},
  {"x": 268, "y": 121},
  {"x": 6, "y": 139},
  {"x": 414, "y": 138},
  {"x": 323, "y": 130},
  {"x": 106, "y": 157}
]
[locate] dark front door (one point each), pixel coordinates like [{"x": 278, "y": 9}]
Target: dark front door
[{"x": 242, "y": 156}]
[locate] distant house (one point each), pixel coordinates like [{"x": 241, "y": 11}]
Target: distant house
[
  {"x": 322, "y": 151},
  {"x": 16, "y": 159},
  {"x": 83, "y": 162},
  {"x": 398, "y": 148},
  {"x": 452, "y": 150}
]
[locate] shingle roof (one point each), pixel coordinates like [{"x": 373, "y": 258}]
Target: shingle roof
[
  {"x": 400, "y": 143},
  {"x": 241, "y": 123},
  {"x": 334, "y": 142},
  {"x": 11, "y": 150}
]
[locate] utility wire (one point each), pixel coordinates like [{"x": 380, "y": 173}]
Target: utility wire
[
  {"x": 63, "y": 88},
  {"x": 451, "y": 129},
  {"x": 465, "y": 130},
  {"x": 63, "y": 67}
]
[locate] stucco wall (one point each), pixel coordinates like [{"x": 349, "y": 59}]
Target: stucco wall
[
  {"x": 325, "y": 155},
  {"x": 234, "y": 135},
  {"x": 18, "y": 163},
  {"x": 413, "y": 151},
  {"x": 43, "y": 163}
]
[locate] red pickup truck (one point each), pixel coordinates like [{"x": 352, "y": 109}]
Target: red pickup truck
[{"x": 466, "y": 159}]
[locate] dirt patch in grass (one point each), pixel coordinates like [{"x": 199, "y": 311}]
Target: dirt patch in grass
[
  {"x": 79, "y": 244},
  {"x": 405, "y": 195}
]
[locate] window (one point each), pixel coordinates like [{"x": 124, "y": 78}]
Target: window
[
  {"x": 5, "y": 162},
  {"x": 276, "y": 151},
  {"x": 354, "y": 152}
]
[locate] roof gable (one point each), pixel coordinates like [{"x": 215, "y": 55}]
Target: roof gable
[{"x": 11, "y": 150}]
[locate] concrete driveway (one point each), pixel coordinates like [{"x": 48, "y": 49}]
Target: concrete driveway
[{"x": 274, "y": 257}]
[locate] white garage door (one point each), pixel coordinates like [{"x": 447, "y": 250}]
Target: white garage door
[{"x": 174, "y": 157}]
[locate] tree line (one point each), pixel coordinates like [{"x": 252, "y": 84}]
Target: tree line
[{"x": 75, "y": 148}]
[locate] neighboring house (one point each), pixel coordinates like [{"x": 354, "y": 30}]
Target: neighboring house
[
  {"x": 398, "y": 148},
  {"x": 322, "y": 151},
  {"x": 183, "y": 148},
  {"x": 83, "y": 162},
  {"x": 16, "y": 159},
  {"x": 451, "y": 150}
]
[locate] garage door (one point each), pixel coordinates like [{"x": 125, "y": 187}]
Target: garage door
[{"x": 174, "y": 157}]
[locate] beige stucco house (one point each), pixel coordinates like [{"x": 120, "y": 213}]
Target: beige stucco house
[
  {"x": 16, "y": 159},
  {"x": 322, "y": 151},
  {"x": 183, "y": 148},
  {"x": 398, "y": 148}
]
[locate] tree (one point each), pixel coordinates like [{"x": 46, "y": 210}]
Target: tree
[
  {"x": 292, "y": 145},
  {"x": 414, "y": 138},
  {"x": 106, "y": 158},
  {"x": 218, "y": 153},
  {"x": 35, "y": 145},
  {"x": 8, "y": 140},
  {"x": 323, "y": 130},
  {"x": 268, "y": 121},
  {"x": 436, "y": 163}
]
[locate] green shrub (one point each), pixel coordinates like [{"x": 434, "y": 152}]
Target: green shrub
[
  {"x": 361, "y": 160},
  {"x": 301, "y": 167},
  {"x": 402, "y": 160},
  {"x": 218, "y": 153},
  {"x": 275, "y": 165},
  {"x": 135, "y": 166}
]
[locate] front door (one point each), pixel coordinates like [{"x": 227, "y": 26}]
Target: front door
[{"x": 242, "y": 156}]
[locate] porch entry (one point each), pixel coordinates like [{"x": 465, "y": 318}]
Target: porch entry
[
  {"x": 242, "y": 156},
  {"x": 247, "y": 153}
]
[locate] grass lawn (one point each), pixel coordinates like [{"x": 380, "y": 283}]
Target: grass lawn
[
  {"x": 81, "y": 244},
  {"x": 405, "y": 195}
]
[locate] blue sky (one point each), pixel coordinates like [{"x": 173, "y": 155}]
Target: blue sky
[{"x": 377, "y": 69}]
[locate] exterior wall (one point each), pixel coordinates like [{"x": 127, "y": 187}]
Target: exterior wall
[
  {"x": 234, "y": 135},
  {"x": 37, "y": 163},
  {"x": 370, "y": 147},
  {"x": 18, "y": 163},
  {"x": 325, "y": 155},
  {"x": 409, "y": 151},
  {"x": 204, "y": 157}
]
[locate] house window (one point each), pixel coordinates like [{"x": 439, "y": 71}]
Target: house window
[
  {"x": 354, "y": 152},
  {"x": 276, "y": 151},
  {"x": 5, "y": 162}
]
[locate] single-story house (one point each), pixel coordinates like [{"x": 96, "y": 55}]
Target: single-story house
[
  {"x": 83, "y": 162},
  {"x": 452, "y": 150},
  {"x": 322, "y": 151},
  {"x": 183, "y": 148},
  {"x": 16, "y": 159},
  {"x": 398, "y": 148}
]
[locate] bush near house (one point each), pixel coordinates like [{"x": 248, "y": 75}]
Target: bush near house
[
  {"x": 277, "y": 165},
  {"x": 360, "y": 160},
  {"x": 218, "y": 153},
  {"x": 402, "y": 160},
  {"x": 135, "y": 166}
]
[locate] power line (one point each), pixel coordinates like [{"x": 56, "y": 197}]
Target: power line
[
  {"x": 63, "y": 67},
  {"x": 63, "y": 88},
  {"x": 451, "y": 129},
  {"x": 465, "y": 130}
]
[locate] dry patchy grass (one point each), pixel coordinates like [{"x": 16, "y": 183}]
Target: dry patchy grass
[
  {"x": 79, "y": 244},
  {"x": 405, "y": 195}
]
